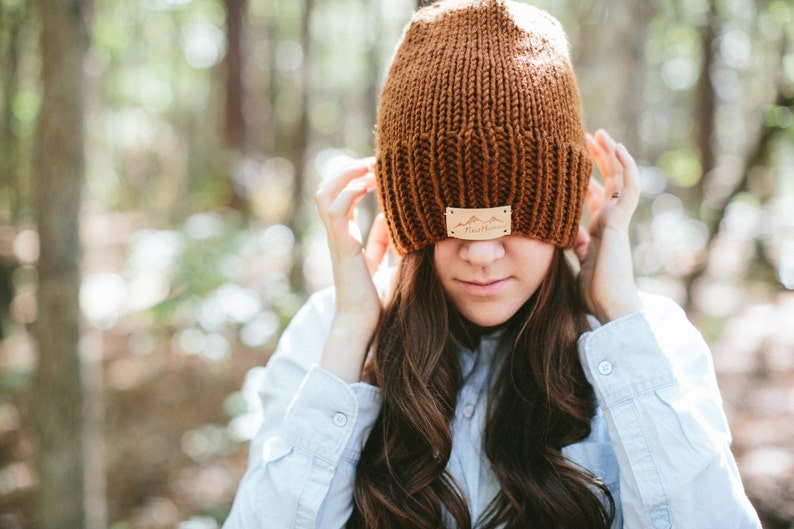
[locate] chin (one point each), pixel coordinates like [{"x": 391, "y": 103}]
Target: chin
[{"x": 487, "y": 318}]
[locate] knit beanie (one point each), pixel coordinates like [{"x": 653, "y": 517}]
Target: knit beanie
[{"x": 479, "y": 131}]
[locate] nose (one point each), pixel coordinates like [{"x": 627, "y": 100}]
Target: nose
[{"x": 482, "y": 253}]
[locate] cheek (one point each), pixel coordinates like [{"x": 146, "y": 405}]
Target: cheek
[
  {"x": 444, "y": 255},
  {"x": 544, "y": 266},
  {"x": 539, "y": 256}
]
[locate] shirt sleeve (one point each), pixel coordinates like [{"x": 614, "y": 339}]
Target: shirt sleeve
[
  {"x": 303, "y": 458},
  {"x": 654, "y": 378}
]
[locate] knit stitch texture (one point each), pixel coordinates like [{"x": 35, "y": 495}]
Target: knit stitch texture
[{"x": 480, "y": 109}]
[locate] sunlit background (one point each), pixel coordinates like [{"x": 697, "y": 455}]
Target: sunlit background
[{"x": 200, "y": 239}]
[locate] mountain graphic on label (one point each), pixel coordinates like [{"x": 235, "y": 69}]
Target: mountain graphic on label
[{"x": 475, "y": 225}]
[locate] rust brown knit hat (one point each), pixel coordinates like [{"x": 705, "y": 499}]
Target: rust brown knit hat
[{"x": 480, "y": 109}]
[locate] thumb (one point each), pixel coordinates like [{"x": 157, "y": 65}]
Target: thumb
[
  {"x": 581, "y": 244},
  {"x": 377, "y": 243}
]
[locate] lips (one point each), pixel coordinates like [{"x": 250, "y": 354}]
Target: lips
[{"x": 483, "y": 288}]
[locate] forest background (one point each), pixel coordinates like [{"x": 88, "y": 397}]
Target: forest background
[{"x": 157, "y": 161}]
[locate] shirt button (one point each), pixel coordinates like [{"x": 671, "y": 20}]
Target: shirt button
[
  {"x": 605, "y": 367},
  {"x": 340, "y": 419},
  {"x": 468, "y": 411}
]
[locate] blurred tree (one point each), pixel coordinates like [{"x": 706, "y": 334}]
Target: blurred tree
[
  {"x": 13, "y": 22},
  {"x": 706, "y": 101},
  {"x": 611, "y": 65},
  {"x": 58, "y": 184},
  {"x": 712, "y": 210},
  {"x": 196, "y": 167},
  {"x": 235, "y": 122},
  {"x": 299, "y": 149},
  {"x": 235, "y": 125}
]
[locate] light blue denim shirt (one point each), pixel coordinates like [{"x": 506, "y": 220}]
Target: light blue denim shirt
[{"x": 659, "y": 439}]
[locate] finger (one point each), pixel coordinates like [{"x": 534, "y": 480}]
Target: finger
[
  {"x": 346, "y": 181},
  {"x": 343, "y": 205},
  {"x": 606, "y": 145},
  {"x": 631, "y": 176},
  {"x": 595, "y": 197},
  {"x": 613, "y": 177},
  {"x": 344, "y": 235},
  {"x": 347, "y": 197},
  {"x": 581, "y": 244},
  {"x": 368, "y": 181},
  {"x": 594, "y": 149},
  {"x": 331, "y": 187},
  {"x": 377, "y": 243},
  {"x": 610, "y": 166},
  {"x": 599, "y": 153},
  {"x": 604, "y": 162}
]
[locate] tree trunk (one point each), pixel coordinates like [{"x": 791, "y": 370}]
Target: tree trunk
[
  {"x": 706, "y": 109},
  {"x": 12, "y": 34},
  {"x": 13, "y": 22},
  {"x": 298, "y": 152},
  {"x": 235, "y": 125},
  {"x": 58, "y": 182},
  {"x": 756, "y": 156},
  {"x": 610, "y": 63}
]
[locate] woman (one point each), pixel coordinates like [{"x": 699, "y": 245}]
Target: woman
[{"x": 490, "y": 386}]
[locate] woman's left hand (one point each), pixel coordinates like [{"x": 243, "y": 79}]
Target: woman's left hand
[{"x": 606, "y": 279}]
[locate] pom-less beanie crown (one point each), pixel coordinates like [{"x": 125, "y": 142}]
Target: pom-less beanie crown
[{"x": 480, "y": 109}]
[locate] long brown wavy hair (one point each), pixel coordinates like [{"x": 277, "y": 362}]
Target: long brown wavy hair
[{"x": 539, "y": 403}]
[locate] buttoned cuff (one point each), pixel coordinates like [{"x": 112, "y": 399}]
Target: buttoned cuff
[
  {"x": 329, "y": 417},
  {"x": 622, "y": 360}
]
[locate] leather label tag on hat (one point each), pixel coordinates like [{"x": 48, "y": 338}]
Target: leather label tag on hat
[{"x": 479, "y": 224}]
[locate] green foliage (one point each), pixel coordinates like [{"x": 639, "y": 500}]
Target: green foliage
[
  {"x": 682, "y": 166},
  {"x": 14, "y": 380},
  {"x": 193, "y": 283},
  {"x": 26, "y": 109},
  {"x": 224, "y": 279},
  {"x": 778, "y": 116}
]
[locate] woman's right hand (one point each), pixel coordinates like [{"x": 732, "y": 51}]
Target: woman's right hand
[{"x": 358, "y": 305}]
